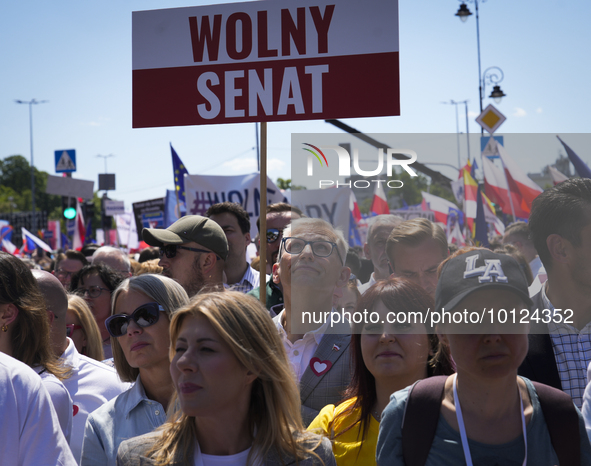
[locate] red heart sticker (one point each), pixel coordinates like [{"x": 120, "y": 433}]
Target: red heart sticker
[
  {"x": 319, "y": 367},
  {"x": 75, "y": 410}
]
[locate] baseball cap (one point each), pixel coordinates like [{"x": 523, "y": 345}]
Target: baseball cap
[
  {"x": 477, "y": 270},
  {"x": 190, "y": 228}
]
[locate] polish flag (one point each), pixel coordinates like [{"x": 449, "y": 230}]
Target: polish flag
[
  {"x": 354, "y": 208},
  {"x": 557, "y": 177},
  {"x": 79, "y": 229},
  {"x": 439, "y": 206},
  {"x": 7, "y": 246},
  {"x": 518, "y": 180},
  {"x": 470, "y": 193},
  {"x": 379, "y": 206},
  {"x": 497, "y": 190}
]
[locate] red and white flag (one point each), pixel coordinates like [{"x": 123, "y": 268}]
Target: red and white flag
[
  {"x": 497, "y": 190},
  {"x": 518, "y": 180},
  {"x": 7, "y": 246},
  {"x": 379, "y": 206},
  {"x": 79, "y": 229},
  {"x": 354, "y": 208},
  {"x": 439, "y": 206},
  {"x": 557, "y": 177}
]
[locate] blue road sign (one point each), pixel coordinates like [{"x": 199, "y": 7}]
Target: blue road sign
[{"x": 65, "y": 161}]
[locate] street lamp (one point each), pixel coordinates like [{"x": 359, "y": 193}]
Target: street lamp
[
  {"x": 30, "y": 103},
  {"x": 497, "y": 94}
]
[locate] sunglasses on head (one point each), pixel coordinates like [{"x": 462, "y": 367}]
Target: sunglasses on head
[
  {"x": 144, "y": 316},
  {"x": 273, "y": 235},
  {"x": 169, "y": 250}
]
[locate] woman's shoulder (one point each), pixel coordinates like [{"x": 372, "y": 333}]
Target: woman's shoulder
[
  {"x": 320, "y": 446},
  {"x": 131, "y": 450},
  {"x": 109, "y": 410}
]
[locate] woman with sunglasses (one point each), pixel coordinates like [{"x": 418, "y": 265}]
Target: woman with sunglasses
[
  {"x": 386, "y": 357},
  {"x": 82, "y": 329},
  {"x": 95, "y": 283},
  {"x": 237, "y": 403},
  {"x": 142, "y": 308}
]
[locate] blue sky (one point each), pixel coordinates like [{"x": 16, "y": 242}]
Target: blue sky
[{"x": 77, "y": 55}]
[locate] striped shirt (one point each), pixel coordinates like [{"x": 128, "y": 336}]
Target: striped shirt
[
  {"x": 251, "y": 279},
  {"x": 572, "y": 349}
]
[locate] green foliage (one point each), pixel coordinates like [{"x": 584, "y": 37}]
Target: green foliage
[{"x": 286, "y": 184}]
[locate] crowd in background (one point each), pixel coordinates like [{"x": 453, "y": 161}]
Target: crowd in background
[{"x": 169, "y": 356}]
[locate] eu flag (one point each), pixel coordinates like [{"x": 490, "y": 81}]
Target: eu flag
[{"x": 179, "y": 170}]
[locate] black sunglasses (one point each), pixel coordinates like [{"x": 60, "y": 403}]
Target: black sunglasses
[
  {"x": 144, "y": 316},
  {"x": 273, "y": 235},
  {"x": 169, "y": 250}
]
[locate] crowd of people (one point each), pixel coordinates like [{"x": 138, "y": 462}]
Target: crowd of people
[{"x": 169, "y": 358}]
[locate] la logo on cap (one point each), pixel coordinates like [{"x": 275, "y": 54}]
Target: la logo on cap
[{"x": 487, "y": 273}]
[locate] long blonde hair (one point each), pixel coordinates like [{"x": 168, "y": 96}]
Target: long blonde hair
[
  {"x": 94, "y": 342},
  {"x": 274, "y": 411}
]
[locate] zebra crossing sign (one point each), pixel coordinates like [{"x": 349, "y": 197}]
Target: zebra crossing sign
[{"x": 65, "y": 161}]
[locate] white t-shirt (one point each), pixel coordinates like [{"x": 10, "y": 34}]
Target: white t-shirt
[
  {"x": 30, "y": 433},
  {"x": 91, "y": 384},
  {"x": 60, "y": 398},
  {"x": 239, "y": 459}
]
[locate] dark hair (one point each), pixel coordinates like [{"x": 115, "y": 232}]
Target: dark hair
[
  {"x": 400, "y": 295},
  {"x": 30, "y": 332},
  {"x": 88, "y": 249},
  {"x": 110, "y": 277},
  {"x": 279, "y": 207},
  {"x": 353, "y": 262},
  {"x": 148, "y": 254},
  {"x": 231, "y": 208},
  {"x": 512, "y": 251},
  {"x": 560, "y": 210}
]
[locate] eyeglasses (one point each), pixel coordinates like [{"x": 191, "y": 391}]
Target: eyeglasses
[
  {"x": 144, "y": 316},
  {"x": 273, "y": 235},
  {"x": 169, "y": 250},
  {"x": 70, "y": 329},
  {"x": 321, "y": 248},
  {"x": 93, "y": 291},
  {"x": 63, "y": 273}
]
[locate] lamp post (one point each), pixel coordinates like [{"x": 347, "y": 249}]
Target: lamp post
[
  {"x": 30, "y": 103},
  {"x": 463, "y": 13},
  {"x": 465, "y": 102}
]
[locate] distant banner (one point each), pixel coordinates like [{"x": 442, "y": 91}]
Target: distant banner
[
  {"x": 331, "y": 205},
  {"x": 201, "y": 192},
  {"x": 149, "y": 214}
]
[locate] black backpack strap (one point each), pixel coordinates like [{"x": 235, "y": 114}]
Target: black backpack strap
[
  {"x": 421, "y": 416},
  {"x": 562, "y": 421}
]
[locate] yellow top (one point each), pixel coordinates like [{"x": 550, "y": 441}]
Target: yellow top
[{"x": 348, "y": 448}]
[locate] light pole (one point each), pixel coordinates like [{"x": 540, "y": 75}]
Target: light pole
[
  {"x": 465, "y": 102},
  {"x": 105, "y": 157},
  {"x": 463, "y": 13},
  {"x": 30, "y": 103}
]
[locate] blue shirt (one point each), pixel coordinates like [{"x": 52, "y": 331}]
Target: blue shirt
[{"x": 128, "y": 415}]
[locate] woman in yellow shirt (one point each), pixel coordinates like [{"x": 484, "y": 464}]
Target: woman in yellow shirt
[{"x": 386, "y": 358}]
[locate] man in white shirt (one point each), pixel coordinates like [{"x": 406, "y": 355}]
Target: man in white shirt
[
  {"x": 310, "y": 266},
  {"x": 30, "y": 433},
  {"x": 235, "y": 222},
  {"x": 375, "y": 248},
  {"x": 91, "y": 383}
]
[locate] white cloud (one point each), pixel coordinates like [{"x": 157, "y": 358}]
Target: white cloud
[
  {"x": 539, "y": 110},
  {"x": 519, "y": 112},
  {"x": 99, "y": 122},
  {"x": 472, "y": 114},
  {"x": 245, "y": 165}
]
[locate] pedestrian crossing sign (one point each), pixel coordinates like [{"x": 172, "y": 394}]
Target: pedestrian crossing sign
[{"x": 65, "y": 161}]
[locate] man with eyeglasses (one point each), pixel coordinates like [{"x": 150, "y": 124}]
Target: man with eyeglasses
[
  {"x": 310, "y": 267},
  {"x": 278, "y": 217},
  {"x": 67, "y": 264},
  {"x": 235, "y": 222},
  {"x": 91, "y": 383},
  {"x": 193, "y": 251}
]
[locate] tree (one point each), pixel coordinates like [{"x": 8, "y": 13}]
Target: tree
[{"x": 286, "y": 184}]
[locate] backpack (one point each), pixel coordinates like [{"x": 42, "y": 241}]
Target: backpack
[{"x": 422, "y": 414}]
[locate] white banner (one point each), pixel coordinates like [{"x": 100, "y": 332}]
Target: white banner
[
  {"x": 201, "y": 192},
  {"x": 331, "y": 205},
  {"x": 127, "y": 230}
]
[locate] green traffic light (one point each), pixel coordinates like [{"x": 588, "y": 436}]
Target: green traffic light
[{"x": 70, "y": 213}]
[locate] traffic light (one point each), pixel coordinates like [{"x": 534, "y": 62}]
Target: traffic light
[
  {"x": 69, "y": 207},
  {"x": 88, "y": 210}
]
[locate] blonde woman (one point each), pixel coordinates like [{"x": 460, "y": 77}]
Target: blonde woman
[
  {"x": 238, "y": 402},
  {"x": 142, "y": 308},
  {"x": 82, "y": 329}
]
